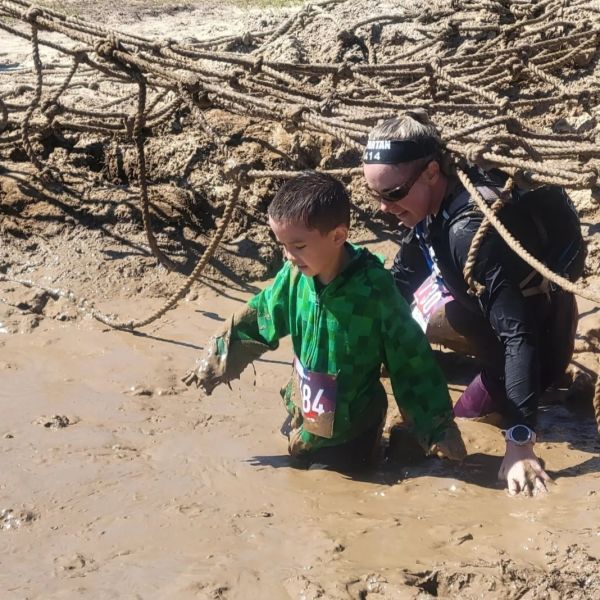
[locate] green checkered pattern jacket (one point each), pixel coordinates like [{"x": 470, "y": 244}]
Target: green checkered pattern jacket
[{"x": 348, "y": 328}]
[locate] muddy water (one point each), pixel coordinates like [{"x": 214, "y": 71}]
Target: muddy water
[{"x": 118, "y": 482}]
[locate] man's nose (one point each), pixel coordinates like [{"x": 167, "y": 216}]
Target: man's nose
[{"x": 384, "y": 207}]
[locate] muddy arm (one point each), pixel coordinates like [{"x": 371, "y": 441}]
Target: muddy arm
[
  {"x": 228, "y": 353},
  {"x": 419, "y": 386},
  {"x": 250, "y": 332}
]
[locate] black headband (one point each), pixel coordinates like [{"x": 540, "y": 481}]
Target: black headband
[{"x": 393, "y": 152}]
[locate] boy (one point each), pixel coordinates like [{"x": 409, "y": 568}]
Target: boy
[{"x": 346, "y": 319}]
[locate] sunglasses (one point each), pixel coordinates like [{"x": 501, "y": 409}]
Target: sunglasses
[{"x": 397, "y": 193}]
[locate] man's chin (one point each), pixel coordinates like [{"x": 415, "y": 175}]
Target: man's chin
[{"x": 407, "y": 222}]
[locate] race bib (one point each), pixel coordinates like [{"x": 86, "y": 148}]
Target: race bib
[
  {"x": 317, "y": 400},
  {"x": 428, "y": 299}
]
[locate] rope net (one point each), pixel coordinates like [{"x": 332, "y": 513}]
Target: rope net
[{"x": 494, "y": 75}]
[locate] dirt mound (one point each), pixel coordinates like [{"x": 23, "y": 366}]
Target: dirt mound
[{"x": 572, "y": 573}]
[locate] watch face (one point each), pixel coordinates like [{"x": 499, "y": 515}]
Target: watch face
[{"x": 521, "y": 434}]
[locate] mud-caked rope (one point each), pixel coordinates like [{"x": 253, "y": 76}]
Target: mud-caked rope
[
  {"x": 341, "y": 99},
  {"x": 84, "y": 305},
  {"x": 170, "y": 303}
]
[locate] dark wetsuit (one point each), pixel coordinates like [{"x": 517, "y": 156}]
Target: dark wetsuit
[{"x": 524, "y": 343}]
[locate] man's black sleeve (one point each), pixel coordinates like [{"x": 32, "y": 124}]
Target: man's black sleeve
[
  {"x": 410, "y": 267},
  {"x": 500, "y": 270}
]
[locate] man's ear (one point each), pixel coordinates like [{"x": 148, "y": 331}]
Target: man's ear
[
  {"x": 340, "y": 235},
  {"x": 433, "y": 171}
]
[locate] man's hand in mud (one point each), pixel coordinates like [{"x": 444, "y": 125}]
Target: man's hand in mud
[
  {"x": 451, "y": 445},
  {"x": 522, "y": 470}
]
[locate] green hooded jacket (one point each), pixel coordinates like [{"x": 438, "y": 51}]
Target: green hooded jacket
[{"x": 348, "y": 328}]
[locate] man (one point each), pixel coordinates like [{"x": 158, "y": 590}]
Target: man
[{"x": 521, "y": 330}]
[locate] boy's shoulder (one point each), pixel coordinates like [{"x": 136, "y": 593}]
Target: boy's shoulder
[
  {"x": 369, "y": 282},
  {"x": 372, "y": 268}
]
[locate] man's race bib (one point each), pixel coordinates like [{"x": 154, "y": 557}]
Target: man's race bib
[
  {"x": 317, "y": 400},
  {"x": 428, "y": 299}
]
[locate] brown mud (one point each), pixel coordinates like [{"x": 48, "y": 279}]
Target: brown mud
[{"x": 119, "y": 482}]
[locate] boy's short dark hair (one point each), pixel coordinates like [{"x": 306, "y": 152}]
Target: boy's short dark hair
[{"x": 316, "y": 200}]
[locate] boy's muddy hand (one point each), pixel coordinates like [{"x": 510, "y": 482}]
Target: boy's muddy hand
[
  {"x": 191, "y": 377},
  {"x": 451, "y": 445},
  {"x": 202, "y": 376}
]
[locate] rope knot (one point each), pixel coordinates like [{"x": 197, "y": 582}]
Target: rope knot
[
  {"x": 453, "y": 27},
  {"x": 515, "y": 67},
  {"x": 103, "y": 48},
  {"x": 327, "y": 104},
  {"x": 79, "y": 55},
  {"x": 294, "y": 113},
  {"x": 114, "y": 41},
  {"x": 474, "y": 152},
  {"x": 590, "y": 178},
  {"x": 51, "y": 109},
  {"x": 345, "y": 36},
  {"x": 107, "y": 46},
  {"x": 504, "y": 103},
  {"x": 237, "y": 172},
  {"x": 32, "y": 14},
  {"x": 425, "y": 17},
  {"x": 344, "y": 71},
  {"x": 513, "y": 125},
  {"x": 256, "y": 65}
]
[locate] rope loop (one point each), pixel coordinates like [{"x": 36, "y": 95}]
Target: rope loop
[
  {"x": 21, "y": 89},
  {"x": 474, "y": 152},
  {"x": 33, "y": 13}
]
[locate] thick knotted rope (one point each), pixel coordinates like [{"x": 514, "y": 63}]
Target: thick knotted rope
[{"x": 487, "y": 80}]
